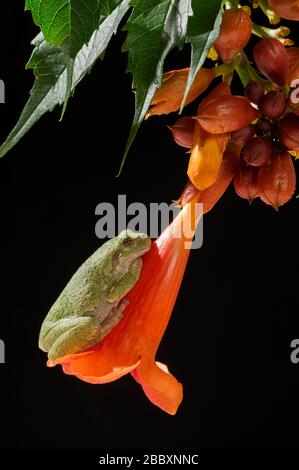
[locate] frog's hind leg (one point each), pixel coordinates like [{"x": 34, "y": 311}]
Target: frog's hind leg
[{"x": 78, "y": 334}]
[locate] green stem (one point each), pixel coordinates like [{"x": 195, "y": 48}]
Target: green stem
[
  {"x": 273, "y": 18},
  {"x": 258, "y": 31},
  {"x": 224, "y": 69},
  {"x": 280, "y": 33},
  {"x": 246, "y": 72}
]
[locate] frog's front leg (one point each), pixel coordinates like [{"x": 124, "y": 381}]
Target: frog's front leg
[{"x": 109, "y": 322}]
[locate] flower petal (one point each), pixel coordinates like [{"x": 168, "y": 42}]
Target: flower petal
[
  {"x": 82, "y": 365},
  {"x": 206, "y": 157},
  {"x": 159, "y": 385},
  {"x": 168, "y": 98}
]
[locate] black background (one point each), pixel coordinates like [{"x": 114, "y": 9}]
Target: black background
[{"x": 229, "y": 338}]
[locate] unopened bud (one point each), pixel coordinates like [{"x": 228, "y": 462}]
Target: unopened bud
[
  {"x": 234, "y": 33},
  {"x": 277, "y": 180},
  {"x": 255, "y": 91},
  {"x": 226, "y": 114},
  {"x": 274, "y": 104},
  {"x": 245, "y": 181},
  {"x": 272, "y": 60},
  {"x": 257, "y": 151}
]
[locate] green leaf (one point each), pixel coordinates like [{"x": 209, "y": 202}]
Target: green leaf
[
  {"x": 67, "y": 23},
  {"x": 154, "y": 28},
  {"x": 203, "y": 30},
  {"x": 50, "y": 69}
]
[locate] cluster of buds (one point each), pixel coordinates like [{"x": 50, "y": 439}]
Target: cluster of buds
[
  {"x": 266, "y": 168},
  {"x": 258, "y": 131},
  {"x": 261, "y": 126}
]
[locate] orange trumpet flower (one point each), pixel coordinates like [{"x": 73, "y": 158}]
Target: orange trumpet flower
[{"x": 132, "y": 344}]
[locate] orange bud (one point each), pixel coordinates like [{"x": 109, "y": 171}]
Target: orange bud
[
  {"x": 272, "y": 60},
  {"x": 288, "y": 9},
  {"x": 211, "y": 196},
  {"x": 226, "y": 114},
  {"x": 277, "y": 180},
  {"x": 230, "y": 161},
  {"x": 207, "y": 150},
  {"x": 234, "y": 33},
  {"x": 168, "y": 98},
  {"x": 245, "y": 181},
  {"x": 183, "y": 130},
  {"x": 206, "y": 157}
]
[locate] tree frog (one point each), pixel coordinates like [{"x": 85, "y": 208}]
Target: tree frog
[{"x": 92, "y": 303}]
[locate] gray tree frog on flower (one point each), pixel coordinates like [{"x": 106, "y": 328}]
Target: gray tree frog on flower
[{"x": 93, "y": 301}]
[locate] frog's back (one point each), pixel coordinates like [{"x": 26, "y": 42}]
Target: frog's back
[{"x": 86, "y": 287}]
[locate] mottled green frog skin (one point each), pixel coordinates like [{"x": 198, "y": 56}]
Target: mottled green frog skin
[{"x": 91, "y": 304}]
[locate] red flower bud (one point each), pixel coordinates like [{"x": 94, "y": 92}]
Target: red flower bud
[
  {"x": 234, "y": 33},
  {"x": 226, "y": 114},
  {"x": 272, "y": 60},
  {"x": 277, "y": 180},
  {"x": 182, "y": 131},
  {"x": 245, "y": 181},
  {"x": 242, "y": 136},
  {"x": 288, "y": 9},
  {"x": 274, "y": 104},
  {"x": 293, "y": 57},
  {"x": 289, "y": 131},
  {"x": 223, "y": 89},
  {"x": 255, "y": 91},
  {"x": 257, "y": 151}
]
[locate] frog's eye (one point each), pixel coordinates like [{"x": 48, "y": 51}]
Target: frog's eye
[{"x": 127, "y": 242}]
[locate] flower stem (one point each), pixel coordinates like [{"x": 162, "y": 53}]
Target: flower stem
[{"x": 224, "y": 69}]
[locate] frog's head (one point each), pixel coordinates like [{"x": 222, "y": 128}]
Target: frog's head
[{"x": 133, "y": 245}]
